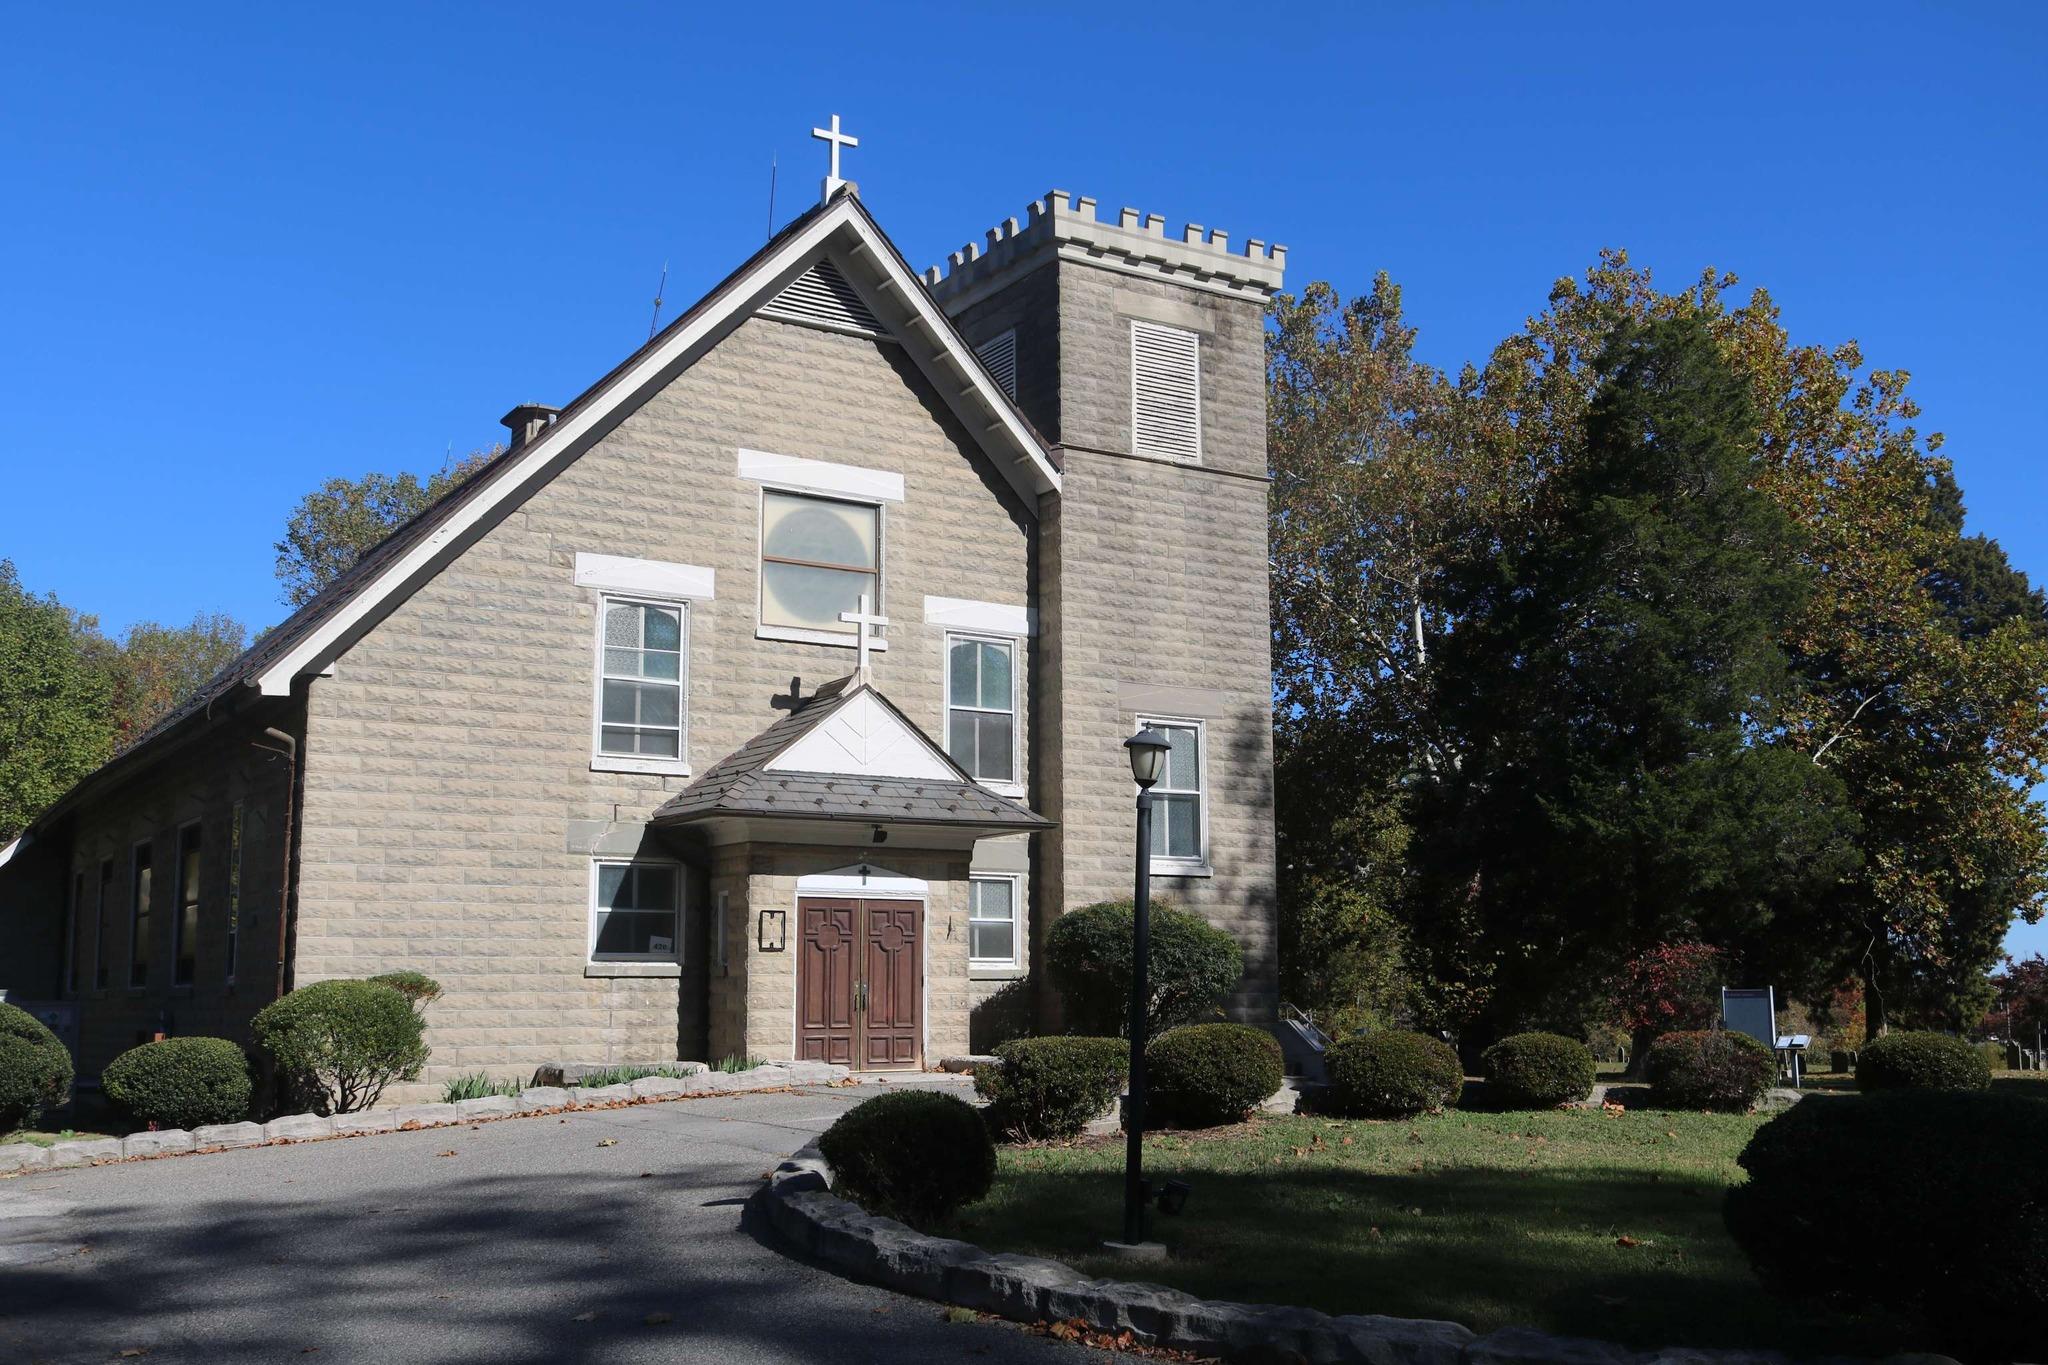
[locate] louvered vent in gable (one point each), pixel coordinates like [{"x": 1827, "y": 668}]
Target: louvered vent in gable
[
  {"x": 1166, "y": 392},
  {"x": 999, "y": 354},
  {"x": 822, "y": 297}
]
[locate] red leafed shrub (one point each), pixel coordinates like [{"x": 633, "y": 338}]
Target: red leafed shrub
[{"x": 1671, "y": 988}]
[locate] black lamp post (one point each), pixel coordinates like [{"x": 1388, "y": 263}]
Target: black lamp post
[{"x": 1148, "y": 749}]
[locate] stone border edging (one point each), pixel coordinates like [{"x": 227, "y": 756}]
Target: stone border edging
[
  {"x": 798, "y": 1205},
  {"x": 546, "y": 1099}
]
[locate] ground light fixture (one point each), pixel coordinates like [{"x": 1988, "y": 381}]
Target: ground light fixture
[{"x": 1147, "y": 751}]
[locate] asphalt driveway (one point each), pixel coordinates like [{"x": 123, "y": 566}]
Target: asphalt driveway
[{"x": 609, "y": 1236}]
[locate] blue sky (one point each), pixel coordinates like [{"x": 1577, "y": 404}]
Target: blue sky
[{"x": 244, "y": 250}]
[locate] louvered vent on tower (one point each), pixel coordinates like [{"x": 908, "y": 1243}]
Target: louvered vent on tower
[
  {"x": 822, "y": 297},
  {"x": 1166, "y": 392},
  {"x": 999, "y": 354}
]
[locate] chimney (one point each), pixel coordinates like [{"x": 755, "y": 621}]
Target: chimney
[{"x": 529, "y": 420}]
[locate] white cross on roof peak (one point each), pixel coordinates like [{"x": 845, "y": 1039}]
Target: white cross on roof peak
[
  {"x": 860, "y": 619},
  {"x": 835, "y": 139}
]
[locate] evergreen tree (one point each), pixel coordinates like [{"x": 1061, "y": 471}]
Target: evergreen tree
[{"x": 1612, "y": 687}]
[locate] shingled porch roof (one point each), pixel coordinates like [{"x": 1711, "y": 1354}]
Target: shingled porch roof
[{"x": 743, "y": 785}]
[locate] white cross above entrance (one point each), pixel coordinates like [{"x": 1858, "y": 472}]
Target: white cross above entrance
[
  {"x": 835, "y": 139},
  {"x": 860, "y": 618}
]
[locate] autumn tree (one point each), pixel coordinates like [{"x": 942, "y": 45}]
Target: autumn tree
[
  {"x": 154, "y": 667},
  {"x": 53, "y": 703},
  {"x": 1665, "y": 989},
  {"x": 1917, "y": 647},
  {"x": 335, "y": 524}
]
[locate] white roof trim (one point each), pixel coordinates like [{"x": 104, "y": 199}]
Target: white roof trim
[
  {"x": 1029, "y": 470},
  {"x": 8, "y": 852}
]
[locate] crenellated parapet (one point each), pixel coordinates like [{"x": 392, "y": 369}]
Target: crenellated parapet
[{"x": 1137, "y": 243}]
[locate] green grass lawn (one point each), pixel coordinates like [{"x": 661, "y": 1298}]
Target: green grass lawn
[{"x": 1579, "y": 1222}]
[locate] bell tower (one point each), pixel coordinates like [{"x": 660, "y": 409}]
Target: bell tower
[{"x": 1141, "y": 356}]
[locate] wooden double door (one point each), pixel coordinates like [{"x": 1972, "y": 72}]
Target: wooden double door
[{"x": 860, "y": 982}]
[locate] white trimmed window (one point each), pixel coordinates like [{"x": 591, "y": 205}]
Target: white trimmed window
[
  {"x": 1180, "y": 800},
  {"x": 1166, "y": 392},
  {"x": 641, "y": 672},
  {"x": 635, "y": 910},
  {"x": 819, "y": 557},
  {"x": 981, "y": 707},
  {"x": 992, "y": 921}
]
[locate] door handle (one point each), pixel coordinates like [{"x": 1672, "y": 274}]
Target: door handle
[{"x": 860, "y": 997}]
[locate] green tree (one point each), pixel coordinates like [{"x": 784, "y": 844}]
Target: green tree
[
  {"x": 1611, "y": 690},
  {"x": 334, "y": 525},
  {"x": 53, "y": 703}
]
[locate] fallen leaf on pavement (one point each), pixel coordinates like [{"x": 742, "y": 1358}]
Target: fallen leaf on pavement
[
  {"x": 657, "y": 1319},
  {"x": 449, "y": 1152},
  {"x": 607, "y": 1142}
]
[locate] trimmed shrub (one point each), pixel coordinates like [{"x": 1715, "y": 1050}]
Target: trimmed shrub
[
  {"x": 1920, "y": 1061},
  {"x": 1051, "y": 1087},
  {"x": 1538, "y": 1071},
  {"x": 419, "y": 989},
  {"x": 35, "y": 1069},
  {"x": 337, "y": 1044},
  {"x": 1391, "y": 1075},
  {"x": 1202, "y": 1075},
  {"x": 912, "y": 1155},
  {"x": 1908, "y": 1199},
  {"x": 1710, "y": 1069},
  {"x": 1193, "y": 964},
  {"x": 180, "y": 1082}
]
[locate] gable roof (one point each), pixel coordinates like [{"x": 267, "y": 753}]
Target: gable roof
[
  {"x": 386, "y": 574},
  {"x": 751, "y": 782}
]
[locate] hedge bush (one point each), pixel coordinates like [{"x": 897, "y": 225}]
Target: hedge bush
[
  {"x": 1391, "y": 1075},
  {"x": 1911, "y": 1199},
  {"x": 419, "y": 989},
  {"x": 1920, "y": 1061},
  {"x": 1202, "y": 1075},
  {"x": 1538, "y": 1071},
  {"x": 1710, "y": 1069},
  {"x": 912, "y": 1155},
  {"x": 337, "y": 1044},
  {"x": 1052, "y": 1087},
  {"x": 180, "y": 1082},
  {"x": 1193, "y": 964},
  {"x": 35, "y": 1069}
]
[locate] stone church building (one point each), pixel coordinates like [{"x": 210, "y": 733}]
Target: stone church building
[{"x": 594, "y": 742}]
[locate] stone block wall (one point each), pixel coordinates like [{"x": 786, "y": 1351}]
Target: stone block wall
[
  {"x": 200, "y": 782},
  {"x": 770, "y": 977},
  {"x": 451, "y": 806},
  {"x": 1154, "y": 597}
]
